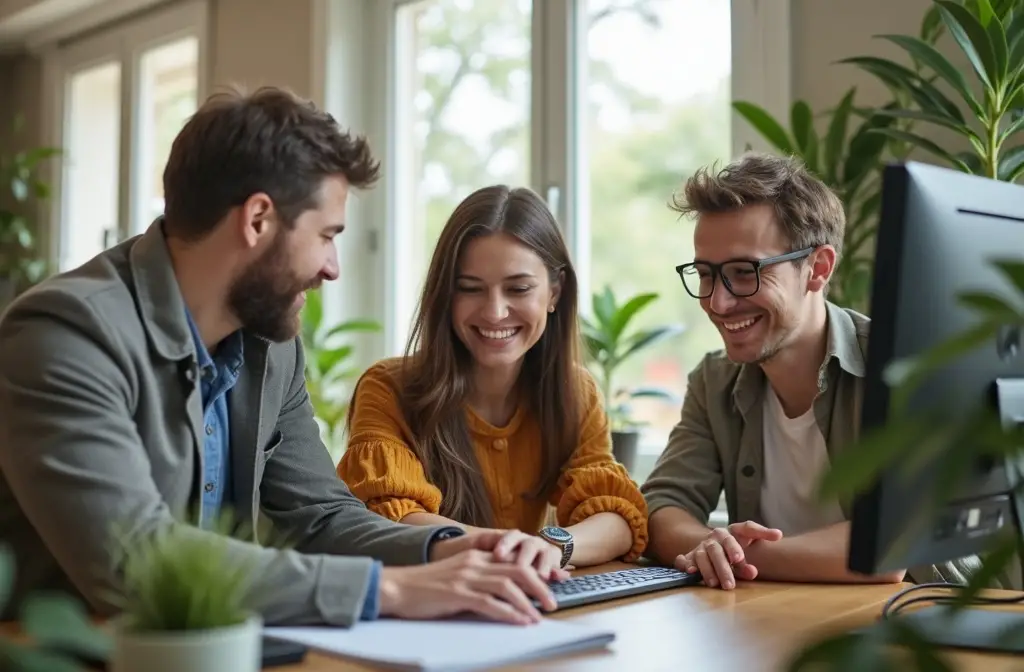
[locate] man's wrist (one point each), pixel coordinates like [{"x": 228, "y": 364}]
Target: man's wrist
[
  {"x": 388, "y": 591},
  {"x": 437, "y": 540}
]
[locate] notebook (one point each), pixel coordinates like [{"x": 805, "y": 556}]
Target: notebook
[{"x": 453, "y": 645}]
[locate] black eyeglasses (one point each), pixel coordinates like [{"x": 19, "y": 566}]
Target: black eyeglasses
[{"x": 742, "y": 277}]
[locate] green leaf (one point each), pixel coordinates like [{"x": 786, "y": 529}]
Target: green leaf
[
  {"x": 907, "y": 374},
  {"x": 1011, "y": 164},
  {"x": 931, "y": 25},
  {"x": 1012, "y": 129},
  {"x": 1000, "y": 49},
  {"x": 835, "y": 137},
  {"x": 1015, "y": 32},
  {"x": 802, "y": 122},
  {"x": 940, "y": 120},
  {"x": 57, "y": 621},
  {"x": 984, "y": 11},
  {"x": 865, "y": 151},
  {"x": 765, "y": 124},
  {"x": 990, "y": 306},
  {"x": 622, "y": 317},
  {"x": 972, "y": 161},
  {"x": 992, "y": 567},
  {"x": 925, "y": 144},
  {"x": 855, "y": 470},
  {"x": 848, "y": 651},
  {"x": 1012, "y": 270},
  {"x": 7, "y": 572},
  {"x": 24, "y": 659},
  {"x": 931, "y": 57},
  {"x": 604, "y": 306},
  {"x": 648, "y": 337},
  {"x": 901, "y": 78},
  {"x": 972, "y": 38}
]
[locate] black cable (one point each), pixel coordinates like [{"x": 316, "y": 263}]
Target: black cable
[{"x": 895, "y": 604}]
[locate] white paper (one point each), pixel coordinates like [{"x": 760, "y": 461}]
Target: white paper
[{"x": 447, "y": 645}]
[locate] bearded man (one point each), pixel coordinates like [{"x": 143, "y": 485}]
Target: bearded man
[{"x": 160, "y": 386}]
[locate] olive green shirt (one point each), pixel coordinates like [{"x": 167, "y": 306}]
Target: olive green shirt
[{"x": 718, "y": 442}]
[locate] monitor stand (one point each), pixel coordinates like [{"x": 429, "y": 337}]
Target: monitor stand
[{"x": 978, "y": 629}]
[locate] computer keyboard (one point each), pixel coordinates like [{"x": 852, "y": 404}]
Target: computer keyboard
[{"x": 581, "y": 590}]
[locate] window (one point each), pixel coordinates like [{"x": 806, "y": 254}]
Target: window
[
  {"x": 656, "y": 87},
  {"x": 123, "y": 96},
  {"x": 602, "y": 106},
  {"x": 462, "y": 109}
]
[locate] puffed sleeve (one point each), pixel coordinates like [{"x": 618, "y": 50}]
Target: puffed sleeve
[
  {"x": 379, "y": 466},
  {"x": 593, "y": 482}
]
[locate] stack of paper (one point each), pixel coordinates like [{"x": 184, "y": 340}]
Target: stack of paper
[{"x": 447, "y": 645}]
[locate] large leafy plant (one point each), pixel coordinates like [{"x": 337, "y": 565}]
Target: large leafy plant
[
  {"x": 988, "y": 113},
  {"x": 21, "y": 262},
  {"x": 916, "y": 440},
  {"x": 846, "y": 147},
  {"x": 848, "y": 162},
  {"x": 329, "y": 367},
  {"x": 609, "y": 344},
  {"x": 59, "y": 635}
]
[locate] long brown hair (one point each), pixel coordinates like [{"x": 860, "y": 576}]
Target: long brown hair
[{"x": 435, "y": 377}]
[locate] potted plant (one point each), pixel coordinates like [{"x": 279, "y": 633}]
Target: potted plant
[
  {"x": 608, "y": 345},
  {"x": 21, "y": 263},
  {"x": 58, "y": 635},
  {"x": 185, "y": 607},
  {"x": 848, "y": 155},
  {"x": 329, "y": 368}
]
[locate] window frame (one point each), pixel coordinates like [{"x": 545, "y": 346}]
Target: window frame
[
  {"x": 124, "y": 42},
  {"x": 358, "y": 38}
]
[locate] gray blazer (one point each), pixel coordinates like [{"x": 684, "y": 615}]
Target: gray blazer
[{"x": 100, "y": 425}]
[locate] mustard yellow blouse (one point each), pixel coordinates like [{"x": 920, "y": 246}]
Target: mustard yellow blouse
[{"x": 382, "y": 470}]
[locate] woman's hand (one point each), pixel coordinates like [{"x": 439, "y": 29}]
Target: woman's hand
[{"x": 531, "y": 551}]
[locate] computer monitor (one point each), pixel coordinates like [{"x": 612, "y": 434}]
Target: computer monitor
[{"x": 938, "y": 233}]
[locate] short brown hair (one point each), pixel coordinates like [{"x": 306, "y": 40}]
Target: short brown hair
[
  {"x": 270, "y": 141},
  {"x": 809, "y": 213}
]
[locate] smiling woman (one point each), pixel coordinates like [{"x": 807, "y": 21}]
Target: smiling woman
[{"x": 490, "y": 416}]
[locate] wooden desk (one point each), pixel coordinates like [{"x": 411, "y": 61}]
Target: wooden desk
[{"x": 756, "y": 627}]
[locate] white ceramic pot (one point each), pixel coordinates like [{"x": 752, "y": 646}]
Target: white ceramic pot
[{"x": 238, "y": 648}]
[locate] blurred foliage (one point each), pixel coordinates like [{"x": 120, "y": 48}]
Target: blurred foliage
[
  {"x": 329, "y": 368},
  {"x": 609, "y": 344}
]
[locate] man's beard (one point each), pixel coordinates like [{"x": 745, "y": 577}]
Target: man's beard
[{"x": 263, "y": 296}]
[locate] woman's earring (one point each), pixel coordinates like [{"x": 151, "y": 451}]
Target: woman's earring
[{"x": 551, "y": 309}]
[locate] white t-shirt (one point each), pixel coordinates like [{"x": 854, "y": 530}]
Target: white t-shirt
[{"x": 795, "y": 458}]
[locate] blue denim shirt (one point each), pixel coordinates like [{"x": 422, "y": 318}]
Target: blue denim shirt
[{"x": 218, "y": 374}]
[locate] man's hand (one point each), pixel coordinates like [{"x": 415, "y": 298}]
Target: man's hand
[
  {"x": 470, "y": 581},
  {"x": 720, "y": 557},
  {"x": 511, "y": 546}
]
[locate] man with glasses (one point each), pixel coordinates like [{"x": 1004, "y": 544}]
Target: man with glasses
[{"x": 762, "y": 418}]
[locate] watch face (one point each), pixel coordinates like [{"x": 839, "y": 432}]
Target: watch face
[{"x": 556, "y": 534}]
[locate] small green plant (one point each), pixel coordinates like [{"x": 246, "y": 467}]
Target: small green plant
[
  {"x": 609, "y": 345},
  {"x": 989, "y": 112},
  {"x": 179, "y": 579},
  {"x": 328, "y": 366},
  {"x": 57, "y": 630},
  {"x": 21, "y": 263}
]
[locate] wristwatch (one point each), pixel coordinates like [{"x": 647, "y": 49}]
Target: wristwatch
[{"x": 560, "y": 537}]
